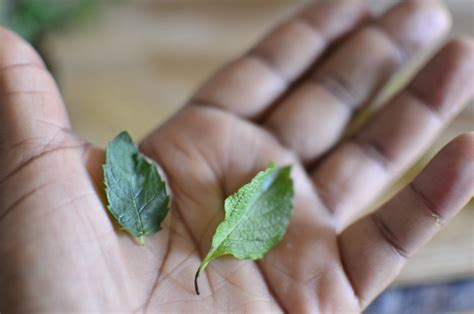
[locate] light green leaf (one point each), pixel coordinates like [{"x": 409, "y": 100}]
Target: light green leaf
[
  {"x": 256, "y": 218},
  {"x": 136, "y": 194}
]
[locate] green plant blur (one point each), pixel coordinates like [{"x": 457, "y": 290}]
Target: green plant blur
[{"x": 32, "y": 18}]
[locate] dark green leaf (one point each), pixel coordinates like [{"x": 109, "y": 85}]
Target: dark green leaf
[
  {"x": 256, "y": 217},
  {"x": 135, "y": 192}
]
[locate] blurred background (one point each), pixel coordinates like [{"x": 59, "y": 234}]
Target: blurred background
[{"x": 129, "y": 65}]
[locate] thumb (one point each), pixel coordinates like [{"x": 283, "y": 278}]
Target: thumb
[
  {"x": 40, "y": 158},
  {"x": 33, "y": 119}
]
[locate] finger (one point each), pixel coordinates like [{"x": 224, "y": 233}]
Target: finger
[
  {"x": 42, "y": 165},
  {"x": 251, "y": 83},
  {"x": 33, "y": 119},
  {"x": 313, "y": 117},
  {"x": 375, "y": 248},
  {"x": 358, "y": 170}
]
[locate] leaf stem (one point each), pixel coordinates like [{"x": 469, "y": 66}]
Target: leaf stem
[
  {"x": 141, "y": 240},
  {"x": 196, "y": 287}
]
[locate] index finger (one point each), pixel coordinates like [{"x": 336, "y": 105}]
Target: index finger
[{"x": 248, "y": 85}]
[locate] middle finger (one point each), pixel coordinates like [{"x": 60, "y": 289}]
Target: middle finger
[{"x": 313, "y": 117}]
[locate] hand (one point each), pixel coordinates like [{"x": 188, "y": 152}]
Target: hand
[{"x": 60, "y": 250}]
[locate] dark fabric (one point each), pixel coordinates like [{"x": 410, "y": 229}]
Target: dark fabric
[{"x": 445, "y": 298}]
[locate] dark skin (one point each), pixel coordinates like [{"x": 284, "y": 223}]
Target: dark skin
[{"x": 60, "y": 250}]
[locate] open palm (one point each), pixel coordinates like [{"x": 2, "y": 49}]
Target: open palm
[{"x": 288, "y": 100}]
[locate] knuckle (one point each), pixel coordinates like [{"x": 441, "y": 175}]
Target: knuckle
[{"x": 25, "y": 78}]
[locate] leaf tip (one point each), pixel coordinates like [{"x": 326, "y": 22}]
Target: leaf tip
[{"x": 125, "y": 135}]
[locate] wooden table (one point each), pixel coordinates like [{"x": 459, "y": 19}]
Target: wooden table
[{"x": 133, "y": 65}]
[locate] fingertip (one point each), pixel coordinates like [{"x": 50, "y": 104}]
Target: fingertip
[
  {"x": 445, "y": 83},
  {"x": 432, "y": 10},
  {"x": 359, "y": 6},
  {"x": 15, "y": 50},
  {"x": 460, "y": 149},
  {"x": 448, "y": 180},
  {"x": 429, "y": 21},
  {"x": 461, "y": 47},
  {"x": 334, "y": 16},
  {"x": 459, "y": 152}
]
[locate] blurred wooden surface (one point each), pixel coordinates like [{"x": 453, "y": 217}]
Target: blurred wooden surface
[{"x": 137, "y": 62}]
